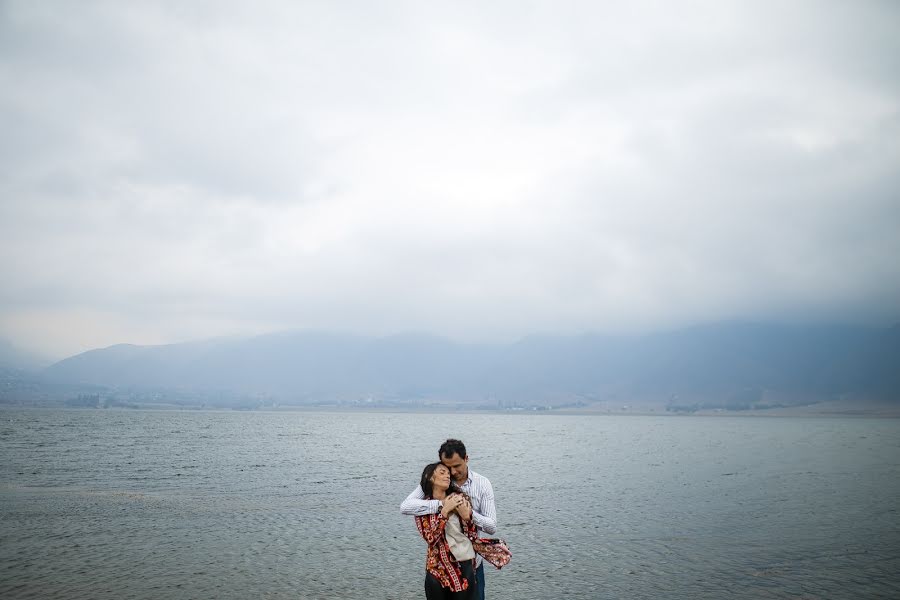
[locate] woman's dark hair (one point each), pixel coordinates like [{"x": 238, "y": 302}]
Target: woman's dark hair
[{"x": 425, "y": 482}]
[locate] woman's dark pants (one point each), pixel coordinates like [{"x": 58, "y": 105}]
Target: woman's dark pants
[{"x": 434, "y": 591}]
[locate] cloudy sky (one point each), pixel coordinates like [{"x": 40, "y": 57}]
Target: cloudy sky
[{"x": 482, "y": 170}]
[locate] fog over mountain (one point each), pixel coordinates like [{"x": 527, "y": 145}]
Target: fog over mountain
[
  {"x": 13, "y": 357},
  {"x": 181, "y": 171},
  {"x": 479, "y": 171},
  {"x": 731, "y": 365}
]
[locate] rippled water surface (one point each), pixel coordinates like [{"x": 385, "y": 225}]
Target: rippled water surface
[{"x": 121, "y": 504}]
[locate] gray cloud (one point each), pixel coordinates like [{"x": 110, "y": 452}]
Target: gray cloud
[{"x": 173, "y": 171}]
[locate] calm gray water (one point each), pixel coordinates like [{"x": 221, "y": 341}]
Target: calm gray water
[{"x": 121, "y": 504}]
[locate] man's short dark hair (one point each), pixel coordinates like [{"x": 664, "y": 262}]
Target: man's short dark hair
[{"x": 451, "y": 447}]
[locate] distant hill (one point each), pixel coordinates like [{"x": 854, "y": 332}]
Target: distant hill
[{"x": 729, "y": 365}]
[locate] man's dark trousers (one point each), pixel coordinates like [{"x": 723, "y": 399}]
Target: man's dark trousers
[{"x": 479, "y": 575}]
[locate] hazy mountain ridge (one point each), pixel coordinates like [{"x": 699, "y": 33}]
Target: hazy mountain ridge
[{"x": 732, "y": 365}]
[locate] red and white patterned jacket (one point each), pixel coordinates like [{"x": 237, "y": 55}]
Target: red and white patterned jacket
[{"x": 439, "y": 560}]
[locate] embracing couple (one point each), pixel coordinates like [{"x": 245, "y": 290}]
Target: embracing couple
[{"x": 454, "y": 507}]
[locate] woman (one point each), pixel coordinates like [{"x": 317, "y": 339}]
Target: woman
[{"x": 450, "y": 561}]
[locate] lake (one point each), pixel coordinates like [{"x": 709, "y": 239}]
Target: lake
[{"x": 166, "y": 504}]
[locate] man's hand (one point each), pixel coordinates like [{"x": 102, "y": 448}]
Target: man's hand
[
  {"x": 451, "y": 503},
  {"x": 464, "y": 509}
]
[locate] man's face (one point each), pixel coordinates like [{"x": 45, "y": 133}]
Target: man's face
[{"x": 459, "y": 467}]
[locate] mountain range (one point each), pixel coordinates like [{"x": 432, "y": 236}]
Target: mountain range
[{"x": 732, "y": 365}]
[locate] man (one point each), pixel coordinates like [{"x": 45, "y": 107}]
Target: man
[{"x": 453, "y": 454}]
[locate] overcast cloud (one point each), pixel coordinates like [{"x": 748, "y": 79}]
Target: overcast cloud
[{"x": 179, "y": 170}]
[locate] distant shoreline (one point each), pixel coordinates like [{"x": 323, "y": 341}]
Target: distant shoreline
[{"x": 818, "y": 410}]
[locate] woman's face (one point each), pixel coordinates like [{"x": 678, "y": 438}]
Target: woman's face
[{"x": 440, "y": 479}]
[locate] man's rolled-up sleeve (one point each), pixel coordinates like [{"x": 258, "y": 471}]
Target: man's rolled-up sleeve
[{"x": 416, "y": 505}]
